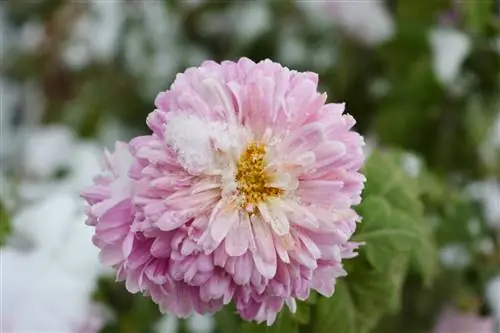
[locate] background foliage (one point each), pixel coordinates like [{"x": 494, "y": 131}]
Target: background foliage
[{"x": 430, "y": 139}]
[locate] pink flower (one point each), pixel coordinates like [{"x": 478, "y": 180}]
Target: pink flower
[{"x": 242, "y": 193}]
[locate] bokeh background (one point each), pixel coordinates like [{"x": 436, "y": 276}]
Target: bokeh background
[{"x": 422, "y": 78}]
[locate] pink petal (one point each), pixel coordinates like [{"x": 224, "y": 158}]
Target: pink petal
[
  {"x": 111, "y": 255},
  {"x": 221, "y": 221},
  {"x": 220, "y": 257},
  {"x": 237, "y": 240},
  {"x": 264, "y": 240},
  {"x": 188, "y": 247},
  {"x": 265, "y": 256},
  {"x": 128, "y": 244},
  {"x": 310, "y": 245},
  {"x": 205, "y": 263},
  {"x": 303, "y": 139},
  {"x": 157, "y": 271},
  {"x": 171, "y": 220},
  {"x": 161, "y": 246},
  {"x": 324, "y": 282},
  {"x": 243, "y": 271},
  {"x": 328, "y": 153},
  {"x": 217, "y": 98},
  {"x": 281, "y": 250},
  {"x": 276, "y": 218}
]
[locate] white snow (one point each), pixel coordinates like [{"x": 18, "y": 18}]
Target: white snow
[
  {"x": 488, "y": 193},
  {"x": 191, "y": 137},
  {"x": 367, "y": 20},
  {"x": 95, "y": 34},
  {"x": 450, "y": 47},
  {"x": 47, "y": 149},
  {"x": 167, "y": 324},
  {"x": 455, "y": 256},
  {"x": 40, "y": 295},
  {"x": 51, "y": 282},
  {"x": 412, "y": 165},
  {"x": 200, "y": 323},
  {"x": 490, "y": 147},
  {"x": 250, "y": 19},
  {"x": 50, "y": 266},
  {"x": 154, "y": 51},
  {"x": 493, "y": 296},
  {"x": 292, "y": 50},
  {"x": 31, "y": 36}
]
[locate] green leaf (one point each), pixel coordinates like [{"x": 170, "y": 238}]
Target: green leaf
[
  {"x": 421, "y": 12},
  {"x": 400, "y": 197},
  {"x": 227, "y": 321},
  {"x": 377, "y": 174},
  {"x": 394, "y": 217},
  {"x": 313, "y": 298},
  {"x": 397, "y": 238},
  {"x": 337, "y": 313},
  {"x": 424, "y": 256},
  {"x": 477, "y": 15},
  {"x": 303, "y": 313},
  {"x": 284, "y": 323},
  {"x": 378, "y": 292},
  {"x": 362, "y": 297},
  {"x": 5, "y": 226},
  {"x": 385, "y": 232}
]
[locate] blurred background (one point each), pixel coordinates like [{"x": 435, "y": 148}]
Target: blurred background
[{"x": 421, "y": 77}]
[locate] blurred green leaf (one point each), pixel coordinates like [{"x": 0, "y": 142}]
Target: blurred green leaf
[
  {"x": 21, "y": 11},
  {"x": 420, "y": 12},
  {"x": 337, "y": 313},
  {"x": 313, "y": 298},
  {"x": 5, "y": 226},
  {"x": 362, "y": 297},
  {"x": 228, "y": 321},
  {"x": 477, "y": 15},
  {"x": 303, "y": 313},
  {"x": 132, "y": 312},
  {"x": 284, "y": 323},
  {"x": 425, "y": 257}
]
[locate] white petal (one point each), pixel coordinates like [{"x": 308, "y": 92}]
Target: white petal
[
  {"x": 281, "y": 250},
  {"x": 284, "y": 181},
  {"x": 292, "y": 305},
  {"x": 280, "y": 224},
  {"x": 276, "y": 217}
]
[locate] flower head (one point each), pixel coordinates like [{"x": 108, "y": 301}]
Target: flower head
[{"x": 242, "y": 193}]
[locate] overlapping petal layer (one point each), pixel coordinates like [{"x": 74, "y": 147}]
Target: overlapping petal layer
[{"x": 243, "y": 192}]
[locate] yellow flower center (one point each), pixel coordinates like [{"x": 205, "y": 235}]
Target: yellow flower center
[{"x": 253, "y": 181}]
